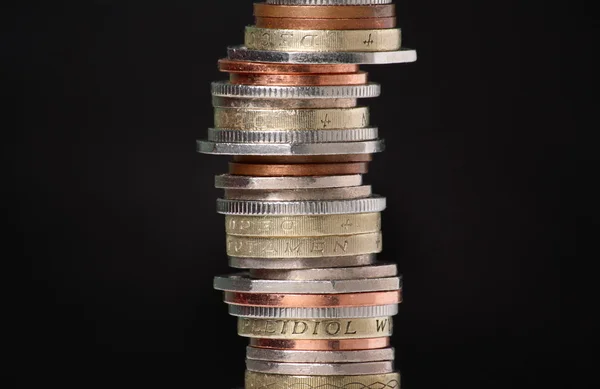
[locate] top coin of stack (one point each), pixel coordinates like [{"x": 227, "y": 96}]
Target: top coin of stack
[{"x": 313, "y": 300}]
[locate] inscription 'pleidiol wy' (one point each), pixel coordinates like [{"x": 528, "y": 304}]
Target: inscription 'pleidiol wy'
[{"x": 266, "y": 327}]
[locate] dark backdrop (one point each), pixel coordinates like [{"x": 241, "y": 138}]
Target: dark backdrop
[{"x": 115, "y": 211}]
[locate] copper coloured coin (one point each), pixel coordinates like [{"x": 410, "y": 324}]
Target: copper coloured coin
[
  {"x": 314, "y": 300},
  {"x": 325, "y": 24},
  {"x": 321, "y": 345},
  {"x": 358, "y": 78},
  {"x": 292, "y": 159},
  {"x": 230, "y": 66},
  {"x": 299, "y": 170},
  {"x": 328, "y": 12}
]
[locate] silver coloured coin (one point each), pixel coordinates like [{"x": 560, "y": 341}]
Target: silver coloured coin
[
  {"x": 242, "y": 53},
  {"x": 301, "y": 263},
  {"x": 354, "y": 192},
  {"x": 236, "y": 102},
  {"x": 301, "y": 356},
  {"x": 224, "y": 88},
  {"x": 222, "y": 135},
  {"x": 313, "y": 313},
  {"x": 340, "y": 273},
  {"x": 242, "y": 283},
  {"x": 364, "y": 368},
  {"x": 375, "y": 203},
  {"x": 328, "y": 2},
  {"x": 366, "y": 147},
  {"x": 226, "y": 181}
]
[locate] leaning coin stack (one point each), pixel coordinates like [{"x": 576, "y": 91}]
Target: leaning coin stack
[{"x": 313, "y": 300}]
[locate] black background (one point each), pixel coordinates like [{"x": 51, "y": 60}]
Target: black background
[{"x": 114, "y": 209}]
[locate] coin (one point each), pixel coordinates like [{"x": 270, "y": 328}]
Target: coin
[
  {"x": 234, "y": 102},
  {"x": 301, "y": 263},
  {"x": 290, "y": 119},
  {"x": 299, "y": 194},
  {"x": 315, "y": 329},
  {"x": 254, "y": 380},
  {"x": 320, "y": 369},
  {"x": 241, "y": 282},
  {"x": 328, "y": 2},
  {"x": 292, "y": 136},
  {"x": 315, "y": 313},
  {"x": 227, "y": 65},
  {"x": 358, "y": 78},
  {"x": 325, "y": 24},
  {"x": 303, "y": 247},
  {"x": 371, "y": 204},
  {"x": 299, "y": 356},
  {"x": 262, "y": 149},
  {"x": 388, "y": 39},
  {"x": 316, "y": 169},
  {"x": 341, "y": 273},
  {"x": 227, "y": 181},
  {"x": 285, "y": 159},
  {"x": 313, "y": 300},
  {"x": 320, "y": 12},
  {"x": 226, "y": 89},
  {"x": 321, "y": 345}
]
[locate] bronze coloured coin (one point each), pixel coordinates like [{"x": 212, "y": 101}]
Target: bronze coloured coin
[
  {"x": 314, "y": 300},
  {"x": 326, "y": 24},
  {"x": 300, "y": 170},
  {"x": 328, "y": 12},
  {"x": 358, "y": 78},
  {"x": 230, "y": 66}
]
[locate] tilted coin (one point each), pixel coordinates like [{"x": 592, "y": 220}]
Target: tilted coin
[
  {"x": 303, "y": 247},
  {"x": 366, "y": 147},
  {"x": 328, "y": 2},
  {"x": 300, "y": 356},
  {"x": 256, "y": 380},
  {"x": 234, "y": 102},
  {"x": 374, "y": 203},
  {"x": 320, "y": 369},
  {"x": 290, "y": 119},
  {"x": 226, "y": 89},
  {"x": 388, "y": 39},
  {"x": 242, "y": 53},
  {"x": 227, "y": 181},
  {"x": 355, "y": 192},
  {"x": 315, "y": 329},
  {"x": 243, "y": 283},
  {"x": 341, "y": 273},
  {"x": 313, "y": 312},
  {"x": 301, "y": 263}
]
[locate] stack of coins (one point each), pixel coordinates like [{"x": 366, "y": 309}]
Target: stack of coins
[{"x": 313, "y": 300}]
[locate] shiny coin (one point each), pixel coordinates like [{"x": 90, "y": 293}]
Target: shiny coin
[
  {"x": 234, "y": 102},
  {"x": 299, "y": 194},
  {"x": 320, "y": 369},
  {"x": 301, "y": 263},
  {"x": 256, "y": 380},
  {"x": 243, "y": 283},
  {"x": 227, "y": 181},
  {"x": 299, "y": 356},
  {"x": 226, "y": 89},
  {"x": 372, "y": 204},
  {"x": 315, "y": 313},
  {"x": 340, "y": 273},
  {"x": 366, "y": 147}
]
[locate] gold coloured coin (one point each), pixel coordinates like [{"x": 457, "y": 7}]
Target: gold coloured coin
[
  {"x": 302, "y": 226},
  {"x": 275, "y": 39},
  {"x": 315, "y": 329},
  {"x": 255, "y": 380},
  {"x": 291, "y": 119},
  {"x": 311, "y": 247}
]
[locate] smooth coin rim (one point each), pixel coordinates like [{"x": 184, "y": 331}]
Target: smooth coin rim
[
  {"x": 228, "y": 181},
  {"x": 301, "y": 356},
  {"x": 380, "y": 270},
  {"x": 334, "y": 148},
  {"x": 301, "y": 263},
  {"x": 323, "y": 369}
]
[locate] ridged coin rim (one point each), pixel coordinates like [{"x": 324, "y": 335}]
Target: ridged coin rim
[
  {"x": 226, "y": 89},
  {"x": 223, "y": 135},
  {"x": 375, "y": 203},
  {"x": 313, "y": 313}
]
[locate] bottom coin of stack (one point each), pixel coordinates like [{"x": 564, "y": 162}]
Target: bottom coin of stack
[{"x": 314, "y": 328}]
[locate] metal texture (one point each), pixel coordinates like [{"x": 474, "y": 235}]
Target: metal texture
[
  {"x": 298, "y": 356},
  {"x": 356, "y": 192},
  {"x": 325, "y": 24},
  {"x": 242, "y": 53},
  {"x": 222, "y": 135},
  {"x": 374, "y": 203},
  {"x": 342, "y": 273},
  {"x": 227, "y": 181},
  {"x": 254, "y": 380},
  {"x": 225, "y": 88},
  {"x": 234, "y": 102},
  {"x": 328, "y": 2},
  {"x": 320, "y": 369},
  {"x": 315, "y": 40},
  {"x": 333, "y": 148},
  {"x": 227, "y": 65},
  {"x": 301, "y": 263},
  {"x": 358, "y": 78},
  {"x": 289, "y": 300},
  {"x": 315, "y": 313},
  {"x": 296, "y": 170},
  {"x": 320, "y": 12},
  {"x": 321, "y": 344}
]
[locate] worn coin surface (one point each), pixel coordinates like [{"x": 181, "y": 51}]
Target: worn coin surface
[
  {"x": 299, "y": 194},
  {"x": 320, "y": 12},
  {"x": 287, "y": 300},
  {"x": 325, "y": 24},
  {"x": 254, "y": 380},
  {"x": 227, "y": 89},
  {"x": 341, "y": 273},
  {"x": 371, "y": 204},
  {"x": 321, "y": 344},
  {"x": 276, "y": 39},
  {"x": 321, "y": 369},
  {"x": 298, "y": 170},
  {"x": 357, "y": 78},
  {"x": 314, "y": 312},
  {"x": 291, "y": 149},
  {"x": 235, "y": 102},
  {"x": 227, "y": 181}
]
